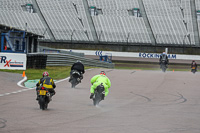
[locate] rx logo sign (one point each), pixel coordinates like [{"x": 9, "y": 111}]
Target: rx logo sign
[
  {"x": 7, "y": 63},
  {"x": 3, "y": 60}
]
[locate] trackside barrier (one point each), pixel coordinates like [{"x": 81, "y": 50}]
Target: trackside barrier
[
  {"x": 43, "y": 49},
  {"x": 57, "y": 59}
]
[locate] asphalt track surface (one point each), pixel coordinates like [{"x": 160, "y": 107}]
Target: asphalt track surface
[{"x": 138, "y": 102}]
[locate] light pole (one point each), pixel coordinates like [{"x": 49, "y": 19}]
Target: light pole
[
  {"x": 128, "y": 37},
  {"x": 72, "y": 35},
  {"x": 100, "y": 35}
]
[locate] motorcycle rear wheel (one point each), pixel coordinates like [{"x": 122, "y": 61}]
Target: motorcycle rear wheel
[
  {"x": 73, "y": 82},
  {"x": 42, "y": 103},
  {"x": 96, "y": 100}
]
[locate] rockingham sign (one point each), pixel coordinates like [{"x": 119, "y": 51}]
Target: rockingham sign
[
  {"x": 137, "y": 55},
  {"x": 153, "y": 55}
]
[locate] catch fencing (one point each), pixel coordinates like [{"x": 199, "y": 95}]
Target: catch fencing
[{"x": 59, "y": 59}]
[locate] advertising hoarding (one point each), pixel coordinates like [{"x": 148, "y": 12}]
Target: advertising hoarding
[{"x": 13, "y": 61}]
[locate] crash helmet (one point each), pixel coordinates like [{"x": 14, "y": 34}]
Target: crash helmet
[
  {"x": 193, "y": 60},
  {"x": 45, "y": 74},
  {"x": 102, "y": 73},
  {"x": 78, "y": 61},
  {"x": 164, "y": 53}
]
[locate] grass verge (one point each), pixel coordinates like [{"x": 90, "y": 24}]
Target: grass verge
[
  {"x": 62, "y": 72},
  {"x": 56, "y": 73}
]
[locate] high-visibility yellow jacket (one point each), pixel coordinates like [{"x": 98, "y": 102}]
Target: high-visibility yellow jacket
[
  {"x": 47, "y": 82},
  {"x": 97, "y": 80}
]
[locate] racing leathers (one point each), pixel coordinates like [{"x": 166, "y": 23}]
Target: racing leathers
[
  {"x": 79, "y": 67},
  {"x": 194, "y": 64},
  {"x": 164, "y": 58},
  {"x": 97, "y": 80},
  {"x": 48, "y": 83}
]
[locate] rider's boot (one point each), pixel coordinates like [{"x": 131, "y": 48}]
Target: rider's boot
[
  {"x": 37, "y": 98},
  {"x": 91, "y": 96}
]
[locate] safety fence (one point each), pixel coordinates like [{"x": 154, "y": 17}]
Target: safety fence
[
  {"x": 37, "y": 61},
  {"x": 58, "y": 59}
]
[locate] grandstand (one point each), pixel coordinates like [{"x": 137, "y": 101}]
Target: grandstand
[{"x": 121, "y": 25}]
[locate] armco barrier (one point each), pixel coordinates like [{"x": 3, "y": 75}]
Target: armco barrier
[
  {"x": 47, "y": 50},
  {"x": 57, "y": 59}
]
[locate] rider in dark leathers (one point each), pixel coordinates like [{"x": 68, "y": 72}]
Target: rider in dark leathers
[
  {"x": 163, "y": 57},
  {"x": 79, "y": 67},
  {"x": 194, "y": 64}
]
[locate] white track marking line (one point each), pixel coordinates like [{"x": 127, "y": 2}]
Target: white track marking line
[
  {"x": 20, "y": 82},
  {"x": 26, "y": 88}
]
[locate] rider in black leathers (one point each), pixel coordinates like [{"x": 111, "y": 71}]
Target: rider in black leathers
[
  {"x": 194, "y": 64},
  {"x": 163, "y": 57},
  {"x": 79, "y": 67}
]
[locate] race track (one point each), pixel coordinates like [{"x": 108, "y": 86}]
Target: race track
[{"x": 138, "y": 102}]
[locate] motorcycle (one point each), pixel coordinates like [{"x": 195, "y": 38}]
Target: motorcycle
[
  {"x": 163, "y": 66},
  {"x": 193, "y": 70},
  {"x": 75, "y": 78},
  {"x": 44, "y": 97},
  {"x": 98, "y": 94}
]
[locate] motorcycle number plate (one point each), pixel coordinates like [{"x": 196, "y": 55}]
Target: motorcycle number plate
[{"x": 43, "y": 92}]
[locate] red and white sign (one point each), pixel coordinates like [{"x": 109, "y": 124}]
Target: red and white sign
[{"x": 13, "y": 61}]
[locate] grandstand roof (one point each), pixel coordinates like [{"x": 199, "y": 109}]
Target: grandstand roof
[{"x": 5, "y": 28}]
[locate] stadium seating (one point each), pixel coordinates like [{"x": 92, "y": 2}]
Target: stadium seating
[
  {"x": 116, "y": 25},
  {"x": 118, "y": 29},
  {"x": 170, "y": 20},
  {"x": 13, "y": 5},
  {"x": 197, "y": 3},
  {"x": 114, "y": 4},
  {"x": 67, "y": 20},
  {"x": 12, "y": 14},
  {"x": 167, "y": 21}
]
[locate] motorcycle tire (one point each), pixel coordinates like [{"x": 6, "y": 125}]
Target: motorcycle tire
[
  {"x": 46, "y": 105},
  {"x": 193, "y": 71},
  {"x": 42, "y": 102},
  {"x": 73, "y": 82},
  {"x": 96, "y": 100},
  {"x": 163, "y": 67}
]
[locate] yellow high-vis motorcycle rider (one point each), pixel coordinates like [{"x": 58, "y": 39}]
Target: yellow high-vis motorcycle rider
[{"x": 97, "y": 80}]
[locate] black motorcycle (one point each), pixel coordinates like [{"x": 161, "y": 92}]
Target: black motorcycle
[
  {"x": 44, "y": 97},
  {"x": 193, "y": 70},
  {"x": 75, "y": 78},
  {"x": 163, "y": 66},
  {"x": 98, "y": 94}
]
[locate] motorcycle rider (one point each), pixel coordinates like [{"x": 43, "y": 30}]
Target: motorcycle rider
[
  {"x": 97, "y": 80},
  {"x": 79, "y": 67},
  {"x": 194, "y": 64},
  {"x": 163, "y": 57},
  {"x": 48, "y": 83}
]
